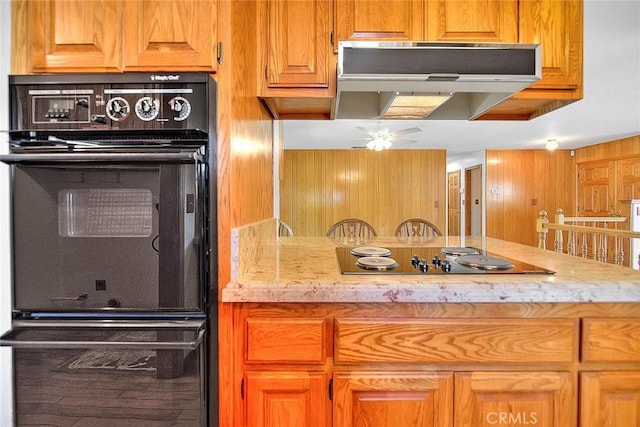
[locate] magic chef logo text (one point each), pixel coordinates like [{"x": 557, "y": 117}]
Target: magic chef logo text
[{"x": 165, "y": 77}]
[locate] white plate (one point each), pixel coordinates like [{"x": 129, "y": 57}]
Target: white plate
[{"x": 370, "y": 251}]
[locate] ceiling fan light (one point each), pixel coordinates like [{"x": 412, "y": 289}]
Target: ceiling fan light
[
  {"x": 414, "y": 106},
  {"x": 379, "y": 144}
]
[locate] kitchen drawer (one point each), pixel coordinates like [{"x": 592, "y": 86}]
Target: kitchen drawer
[
  {"x": 455, "y": 341},
  {"x": 285, "y": 340},
  {"x": 611, "y": 340}
]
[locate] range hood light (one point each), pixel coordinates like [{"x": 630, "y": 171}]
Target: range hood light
[{"x": 413, "y": 105}]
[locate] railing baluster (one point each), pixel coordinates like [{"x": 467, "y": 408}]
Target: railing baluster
[{"x": 597, "y": 238}]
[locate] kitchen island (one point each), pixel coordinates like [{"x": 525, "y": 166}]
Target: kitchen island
[{"x": 310, "y": 345}]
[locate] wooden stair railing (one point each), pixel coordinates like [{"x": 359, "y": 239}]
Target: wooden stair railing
[{"x": 595, "y": 241}]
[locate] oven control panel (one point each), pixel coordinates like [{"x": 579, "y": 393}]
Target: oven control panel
[{"x": 136, "y": 101}]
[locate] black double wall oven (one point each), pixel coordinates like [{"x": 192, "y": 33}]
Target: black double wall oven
[{"x": 114, "y": 296}]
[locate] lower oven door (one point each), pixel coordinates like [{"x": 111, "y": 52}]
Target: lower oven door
[
  {"x": 116, "y": 374},
  {"x": 109, "y": 231}
]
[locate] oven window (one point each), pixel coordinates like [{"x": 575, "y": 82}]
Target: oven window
[{"x": 99, "y": 212}]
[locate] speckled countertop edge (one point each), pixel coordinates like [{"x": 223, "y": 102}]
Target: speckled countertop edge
[{"x": 305, "y": 270}]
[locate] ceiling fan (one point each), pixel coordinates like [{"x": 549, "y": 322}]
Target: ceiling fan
[{"x": 381, "y": 138}]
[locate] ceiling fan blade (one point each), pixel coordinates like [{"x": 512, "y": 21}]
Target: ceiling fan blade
[
  {"x": 406, "y": 131},
  {"x": 367, "y": 131},
  {"x": 404, "y": 140}
]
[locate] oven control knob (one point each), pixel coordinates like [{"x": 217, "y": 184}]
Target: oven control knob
[
  {"x": 423, "y": 266},
  {"x": 181, "y": 107},
  {"x": 436, "y": 261},
  {"x": 118, "y": 108},
  {"x": 147, "y": 108},
  {"x": 446, "y": 266},
  {"x": 414, "y": 261}
]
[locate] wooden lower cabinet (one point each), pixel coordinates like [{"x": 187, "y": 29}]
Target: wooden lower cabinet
[
  {"x": 610, "y": 399},
  {"x": 437, "y": 365},
  {"x": 286, "y": 399},
  {"x": 514, "y": 399},
  {"x": 391, "y": 399}
]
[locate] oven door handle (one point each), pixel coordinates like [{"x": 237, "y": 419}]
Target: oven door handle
[
  {"x": 84, "y": 157},
  {"x": 9, "y": 340}
]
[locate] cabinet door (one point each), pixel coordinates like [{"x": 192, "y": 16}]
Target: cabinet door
[
  {"x": 170, "y": 35},
  {"x": 514, "y": 399},
  {"x": 393, "y": 399},
  {"x": 472, "y": 20},
  {"x": 610, "y": 399},
  {"x": 287, "y": 399},
  {"x": 401, "y": 20},
  {"x": 557, "y": 26},
  {"x": 297, "y": 45},
  {"x": 68, "y": 36}
]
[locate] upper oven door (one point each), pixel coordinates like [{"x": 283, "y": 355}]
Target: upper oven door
[{"x": 109, "y": 231}]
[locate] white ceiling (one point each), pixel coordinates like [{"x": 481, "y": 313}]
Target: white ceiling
[{"x": 610, "y": 108}]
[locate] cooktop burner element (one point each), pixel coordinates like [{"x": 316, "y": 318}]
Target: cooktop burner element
[
  {"x": 429, "y": 261},
  {"x": 370, "y": 251},
  {"x": 378, "y": 263},
  {"x": 482, "y": 262},
  {"x": 456, "y": 250}
]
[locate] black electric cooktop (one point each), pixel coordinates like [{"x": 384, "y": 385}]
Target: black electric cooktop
[{"x": 429, "y": 260}]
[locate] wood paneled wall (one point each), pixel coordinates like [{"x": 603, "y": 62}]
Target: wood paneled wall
[
  {"x": 521, "y": 183},
  {"x": 321, "y": 187},
  {"x": 611, "y": 150},
  {"x": 608, "y": 177}
]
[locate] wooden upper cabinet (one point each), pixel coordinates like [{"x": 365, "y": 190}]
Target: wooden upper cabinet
[
  {"x": 52, "y": 36},
  {"x": 297, "y": 44},
  {"x": 66, "y": 36},
  {"x": 170, "y": 35},
  {"x": 297, "y": 64},
  {"x": 557, "y": 26},
  {"x": 398, "y": 20},
  {"x": 493, "y": 21}
]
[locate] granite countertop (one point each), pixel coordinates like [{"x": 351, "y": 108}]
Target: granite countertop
[{"x": 306, "y": 270}]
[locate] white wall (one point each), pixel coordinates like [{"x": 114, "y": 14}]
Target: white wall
[{"x": 6, "y": 407}]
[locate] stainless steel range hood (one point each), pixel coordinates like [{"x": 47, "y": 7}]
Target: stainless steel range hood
[{"x": 456, "y": 81}]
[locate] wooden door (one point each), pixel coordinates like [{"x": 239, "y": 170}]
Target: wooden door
[
  {"x": 68, "y": 36},
  {"x": 595, "y": 189},
  {"x": 453, "y": 204},
  {"x": 610, "y": 399},
  {"x": 514, "y": 399},
  {"x": 472, "y": 20},
  {"x": 557, "y": 26},
  {"x": 390, "y": 399},
  {"x": 297, "y": 44},
  {"x": 170, "y": 35},
  {"x": 399, "y": 20},
  {"x": 628, "y": 182},
  {"x": 287, "y": 399}
]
